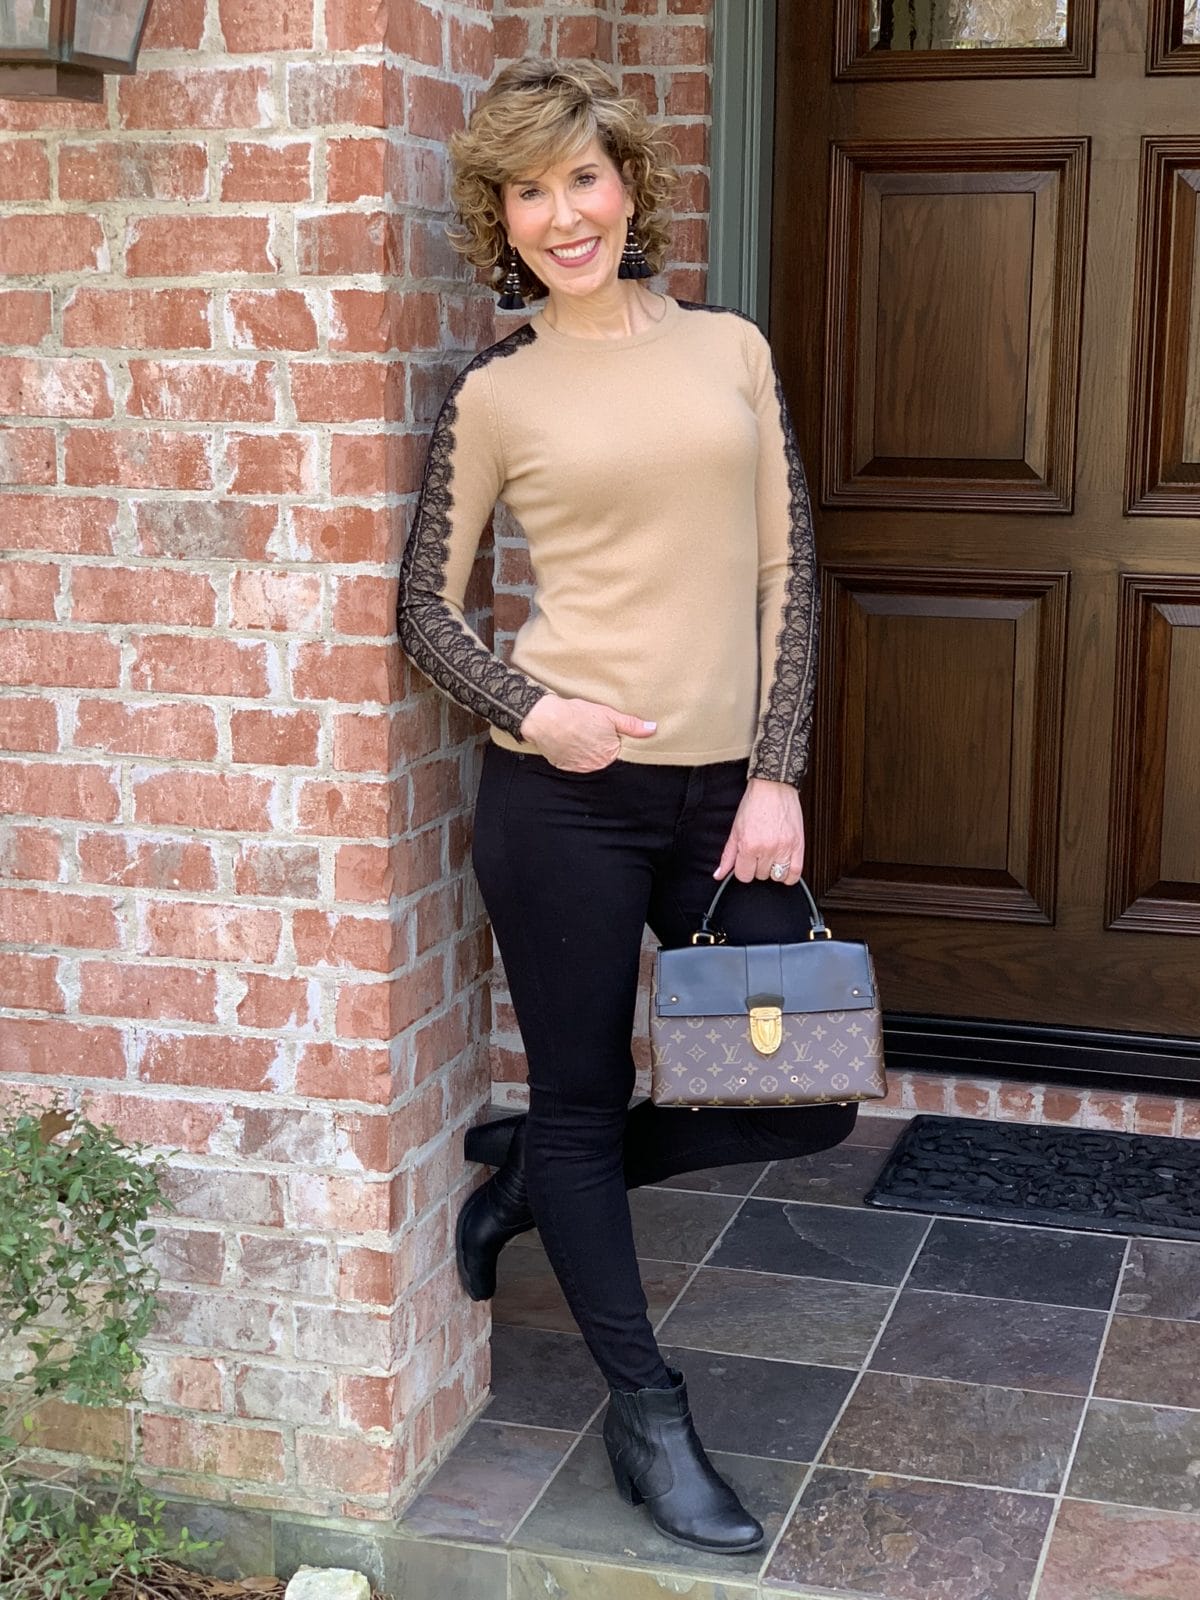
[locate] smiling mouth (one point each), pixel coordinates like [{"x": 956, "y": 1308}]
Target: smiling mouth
[{"x": 573, "y": 252}]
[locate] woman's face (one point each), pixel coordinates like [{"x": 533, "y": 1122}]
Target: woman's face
[{"x": 580, "y": 201}]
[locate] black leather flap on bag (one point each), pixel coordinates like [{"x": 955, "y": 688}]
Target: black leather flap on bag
[{"x": 719, "y": 980}]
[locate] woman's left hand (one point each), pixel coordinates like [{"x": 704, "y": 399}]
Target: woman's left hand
[{"x": 768, "y": 827}]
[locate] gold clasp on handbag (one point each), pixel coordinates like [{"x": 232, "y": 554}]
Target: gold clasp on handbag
[{"x": 766, "y": 1029}]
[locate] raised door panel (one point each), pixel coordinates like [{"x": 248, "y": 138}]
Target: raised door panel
[
  {"x": 952, "y": 348},
  {"x": 938, "y": 767},
  {"x": 1164, "y": 435},
  {"x": 1154, "y": 859},
  {"x": 933, "y": 396}
]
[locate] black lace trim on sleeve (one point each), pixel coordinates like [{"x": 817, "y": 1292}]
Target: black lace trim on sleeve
[
  {"x": 447, "y": 652},
  {"x": 781, "y": 748}
]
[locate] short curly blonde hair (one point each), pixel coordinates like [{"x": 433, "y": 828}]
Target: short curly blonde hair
[{"x": 538, "y": 112}]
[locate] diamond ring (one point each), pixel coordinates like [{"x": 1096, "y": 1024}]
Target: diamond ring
[{"x": 779, "y": 871}]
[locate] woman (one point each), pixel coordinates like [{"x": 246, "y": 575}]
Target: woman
[{"x": 651, "y": 729}]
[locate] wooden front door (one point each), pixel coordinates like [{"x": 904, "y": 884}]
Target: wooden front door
[{"x": 986, "y": 308}]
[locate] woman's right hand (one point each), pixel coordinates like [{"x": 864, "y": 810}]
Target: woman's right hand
[{"x": 581, "y": 735}]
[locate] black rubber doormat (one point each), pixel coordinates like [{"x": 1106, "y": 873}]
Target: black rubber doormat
[{"x": 1056, "y": 1177}]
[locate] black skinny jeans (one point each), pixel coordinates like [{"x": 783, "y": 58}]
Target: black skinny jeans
[{"x": 572, "y": 866}]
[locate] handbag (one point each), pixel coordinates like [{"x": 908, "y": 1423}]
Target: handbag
[{"x": 765, "y": 1024}]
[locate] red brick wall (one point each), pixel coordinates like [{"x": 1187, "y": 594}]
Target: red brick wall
[{"x": 236, "y": 914}]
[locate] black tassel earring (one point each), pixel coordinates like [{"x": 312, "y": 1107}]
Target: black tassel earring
[
  {"x": 511, "y": 298},
  {"x": 633, "y": 257}
]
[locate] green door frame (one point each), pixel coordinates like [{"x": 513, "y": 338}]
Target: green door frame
[{"x": 743, "y": 128}]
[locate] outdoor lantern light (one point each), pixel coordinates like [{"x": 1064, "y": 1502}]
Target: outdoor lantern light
[{"x": 61, "y": 49}]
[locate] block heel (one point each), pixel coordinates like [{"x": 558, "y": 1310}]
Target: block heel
[
  {"x": 492, "y": 1216},
  {"x": 489, "y": 1143},
  {"x": 626, "y": 1487}
]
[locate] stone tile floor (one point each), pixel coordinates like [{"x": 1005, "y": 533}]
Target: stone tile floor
[{"x": 916, "y": 1408}]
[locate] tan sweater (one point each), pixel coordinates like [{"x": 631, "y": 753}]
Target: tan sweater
[{"x": 658, "y": 482}]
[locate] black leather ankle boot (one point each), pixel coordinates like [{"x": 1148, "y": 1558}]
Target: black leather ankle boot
[
  {"x": 657, "y": 1458},
  {"x": 490, "y": 1141},
  {"x": 490, "y": 1217}
]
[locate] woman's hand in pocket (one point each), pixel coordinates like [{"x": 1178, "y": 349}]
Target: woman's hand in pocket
[{"x": 581, "y": 735}]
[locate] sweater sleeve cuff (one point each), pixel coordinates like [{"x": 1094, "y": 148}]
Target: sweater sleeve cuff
[
  {"x": 764, "y": 765},
  {"x": 524, "y": 706}
]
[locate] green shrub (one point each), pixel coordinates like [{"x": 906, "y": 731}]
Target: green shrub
[{"x": 76, "y": 1299}]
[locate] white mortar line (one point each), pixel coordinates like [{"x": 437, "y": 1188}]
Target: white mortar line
[
  {"x": 1070, "y": 1463},
  {"x": 820, "y": 1450}
]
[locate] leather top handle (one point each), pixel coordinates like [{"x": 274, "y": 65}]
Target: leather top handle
[{"x": 707, "y": 934}]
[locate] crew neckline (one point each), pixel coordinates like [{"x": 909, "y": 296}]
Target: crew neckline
[{"x": 578, "y": 341}]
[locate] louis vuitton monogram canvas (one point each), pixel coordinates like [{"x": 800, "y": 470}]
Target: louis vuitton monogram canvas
[{"x": 713, "y": 1061}]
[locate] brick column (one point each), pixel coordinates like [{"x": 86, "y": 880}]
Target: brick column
[{"x": 236, "y": 915}]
